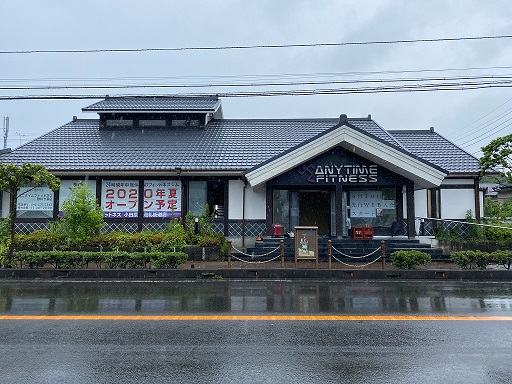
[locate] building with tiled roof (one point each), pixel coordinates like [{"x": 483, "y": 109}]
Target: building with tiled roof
[{"x": 153, "y": 157}]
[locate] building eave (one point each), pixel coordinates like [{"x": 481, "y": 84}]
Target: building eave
[{"x": 424, "y": 175}]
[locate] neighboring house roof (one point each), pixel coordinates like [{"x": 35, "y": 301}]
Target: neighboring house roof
[
  {"x": 158, "y": 103},
  {"x": 434, "y": 148},
  {"x": 502, "y": 187}
]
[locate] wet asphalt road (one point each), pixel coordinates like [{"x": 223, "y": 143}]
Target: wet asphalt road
[{"x": 248, "y": 351}]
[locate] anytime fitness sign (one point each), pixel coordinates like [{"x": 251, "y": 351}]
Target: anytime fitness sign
[
  {"x": 339, "y": 173},
  {"x": 345, "y": 174},
  {"x": 339, "y": 167}
]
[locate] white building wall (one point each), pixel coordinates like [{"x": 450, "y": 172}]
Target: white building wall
[
  {"x": 255, "y": 202},
  {"x": 420, "y": 203},
  {"x": 456, "y": 202},
  {"x": 420, "y": 207}
]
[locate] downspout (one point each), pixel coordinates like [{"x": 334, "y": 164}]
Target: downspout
[{"x": 243, "y": 210}]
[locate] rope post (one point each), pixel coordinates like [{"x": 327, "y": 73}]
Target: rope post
[
  {"x": 229, "y": 254},
  {"x": 281, "y": 245},
  {"x": 329, "y": 253},
  {"x": 383, "y": 253}
]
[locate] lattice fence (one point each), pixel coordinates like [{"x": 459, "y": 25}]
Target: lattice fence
[
  {"x": 154, "y": 226},
  {"x": 251, "y": 229},
  {"x": 429, "y": 228},
  {"x": 30, "y": 227},
  {"x": 121, "y": 227}
]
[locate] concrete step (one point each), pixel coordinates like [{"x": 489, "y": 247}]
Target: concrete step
[{"x": 348, "y": 247}]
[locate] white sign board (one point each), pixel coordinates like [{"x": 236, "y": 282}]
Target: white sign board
[
  {"x": 162, "y": 198},
  {"x": 35, "y": 199},
  {"x": 120, "y": 198}
]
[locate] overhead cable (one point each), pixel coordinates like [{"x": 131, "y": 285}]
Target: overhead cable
[
  {"x": 232, "y": 47},
  {"x": 301, "y": 92}
]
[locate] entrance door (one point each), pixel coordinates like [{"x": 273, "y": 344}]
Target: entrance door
[{"x": 315, "y": 210}]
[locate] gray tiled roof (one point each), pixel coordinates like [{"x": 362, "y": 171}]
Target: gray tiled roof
[
  {"x": 225, "y": 145},
  {"x": 157, "y": 103},
  {"x": 436, "y": 149}
]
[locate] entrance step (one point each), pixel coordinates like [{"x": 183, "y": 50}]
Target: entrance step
[{"x": 350, "y": 247}]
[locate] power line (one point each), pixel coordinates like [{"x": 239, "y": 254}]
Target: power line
[
  {"x": 489, "y": 133},
  {"x": 464, "y": 134},
  {"x": 256, "y": 76},
  {"x": 238, "y": 47},
  {"x": 302, "y": 92},
  {"x": 257, "y": 84}
]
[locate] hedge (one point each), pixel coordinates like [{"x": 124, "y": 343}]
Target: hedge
[
  {"x": 409, "y": 258},
  {"x": 479, "y": 259},
  {"x": 79, "y": 259},
  {"x": 175, "y": 238}
]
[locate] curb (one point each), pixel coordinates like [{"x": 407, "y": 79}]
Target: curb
[{"x": 256, "y": 273}]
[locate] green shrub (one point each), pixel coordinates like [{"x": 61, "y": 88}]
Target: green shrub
[
  {"x": 461, "y": 258},
  {"x": 167, "y": 259},
  {"x": 4, "y": 252},
  {"x": 471, "y": 259},
  {"x": 40, "y": 239},
  {"x": 148, "y": 239},
  {"x": 475, "y": 232},
  {"x": 95, "y": 258},
  {"x": 409, "y": 258},
  {"x": 498, "y": 234},
  {"x": 79, "y": 259},
  {"x": 115, "y": 259},
  {"x": 30, "y": 259},
  {"x": 137, "y": 260},
  {"x": 83, "y": 217},
  {"x": 67, "y": 259},
  {"x": 175, "y": 237},
  {"x": 205, "y": 221},
  {"x": 503, "y": 257},
  {"x": 214, "y": 240},
  {"x": 4, "y": 229},
  {"x": 115, "y": 240}
]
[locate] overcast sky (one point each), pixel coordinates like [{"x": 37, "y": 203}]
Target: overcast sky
[{"x": 470, "y": 118}]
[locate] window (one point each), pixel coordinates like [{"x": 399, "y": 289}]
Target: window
[
  {"x": 119, "y": 123},
  {"x": 185, "y": 123},
  {"x": 373, "y": 207},
  {"x": 197, "y": 194},
  {"x": 193, "y": 123},
  {"x": 146, "y": 123},
  {"x": 281, "y": 208},
  {"x": 178, "y": 123},
  {"x": 202, "y": 193}
]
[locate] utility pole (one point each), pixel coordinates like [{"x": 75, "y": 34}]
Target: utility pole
[{"x": 6, "y": 130}]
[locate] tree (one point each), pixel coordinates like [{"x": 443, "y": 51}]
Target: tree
[
  {"x": 497, "y": 211},
  {"x": 83, "y": 217},
  {"x": 498, "y": 155},
  {"x": 13, "y": 178}
]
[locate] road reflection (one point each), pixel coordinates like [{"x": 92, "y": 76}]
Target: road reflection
[{"x": 252, "y": 297}]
